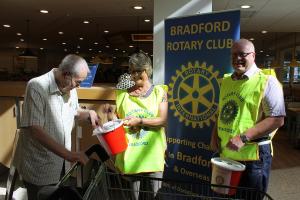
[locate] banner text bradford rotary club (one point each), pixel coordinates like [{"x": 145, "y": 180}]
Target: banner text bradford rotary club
[{"x": 198, "y": 29}]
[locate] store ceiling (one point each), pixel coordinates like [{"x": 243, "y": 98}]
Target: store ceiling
[{"x": 121, "y": 20}]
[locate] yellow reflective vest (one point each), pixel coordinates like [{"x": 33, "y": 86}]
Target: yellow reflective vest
[
  {"x": 239, "y": 110},
  {"x": 146, "y": 145}
]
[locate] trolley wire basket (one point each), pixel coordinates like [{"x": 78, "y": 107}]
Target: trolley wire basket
[
  {"x": 105, "y": 184},
  {"x": 114, "y": 186}
]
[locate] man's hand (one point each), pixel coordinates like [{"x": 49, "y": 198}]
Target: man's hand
[
  {"x": 77, "y": 157},
  {"x": 235, "y": 143}
]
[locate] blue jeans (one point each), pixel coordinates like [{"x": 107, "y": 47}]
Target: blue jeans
[{"x": 257, "y": 172}]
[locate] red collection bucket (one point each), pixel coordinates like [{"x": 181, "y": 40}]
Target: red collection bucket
[
  {"x": 112, "y": 137},
  {"x": 226, "y": 172}
]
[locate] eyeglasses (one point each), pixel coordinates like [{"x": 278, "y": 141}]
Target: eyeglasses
[
  {"x": 77, "y": 82},
  {"x": 73, "y": 79},
  {"x": 241, "y": 54}
]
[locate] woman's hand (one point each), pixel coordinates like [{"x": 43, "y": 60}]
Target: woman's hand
[
  {"x": 94, "y": 118},
  {"x": 132, "y": 121}
]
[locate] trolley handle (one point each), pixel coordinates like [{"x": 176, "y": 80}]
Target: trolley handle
[
  {"x": 99, "y": 150},
  {"x": 96, "y": 148}
]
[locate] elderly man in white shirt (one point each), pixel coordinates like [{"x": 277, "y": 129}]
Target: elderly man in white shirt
[{"x": 49, "y": 110}]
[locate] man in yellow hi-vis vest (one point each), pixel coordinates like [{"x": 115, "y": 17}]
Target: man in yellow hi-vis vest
[{"x": 251, "y": 108}]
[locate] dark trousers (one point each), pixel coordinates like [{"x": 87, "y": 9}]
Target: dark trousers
[
  {"x": 32, "y": 190},
  {"x": 257, "y": 172}
]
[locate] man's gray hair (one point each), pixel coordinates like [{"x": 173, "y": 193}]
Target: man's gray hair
[
  {"x": 141, "y": 61},
  {"x": 72, "y": 63}
]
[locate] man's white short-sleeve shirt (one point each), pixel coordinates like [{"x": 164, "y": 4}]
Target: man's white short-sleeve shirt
[{"x": 45, "y": 106}]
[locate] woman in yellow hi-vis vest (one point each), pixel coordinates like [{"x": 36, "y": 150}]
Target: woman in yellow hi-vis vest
[
  {"x": 251, "y": 108},
  {"x": 144, "y": 107}
]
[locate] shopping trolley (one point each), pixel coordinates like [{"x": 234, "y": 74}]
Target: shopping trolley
[
  {"x": 105, "y": 183},
  {"x": 115, "y": 186},
  {"x": 69, "y": 188}
]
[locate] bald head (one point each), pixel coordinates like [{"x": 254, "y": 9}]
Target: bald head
[
  {"x": 246, "y": 44},
  {"x": 242, "y": 56}
]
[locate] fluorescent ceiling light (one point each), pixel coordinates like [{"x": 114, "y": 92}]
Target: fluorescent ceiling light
[
  {"x": 138, "y": 7},
  {"x": 44, "y": 11},
  {"x": 246, "y": 6}
]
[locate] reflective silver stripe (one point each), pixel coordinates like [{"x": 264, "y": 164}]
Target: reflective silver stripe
[{"x": 264, "y": 142}]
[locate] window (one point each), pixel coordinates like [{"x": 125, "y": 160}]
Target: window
[
  {"x": 286, "y": 72},
  {"x": 296, "y": 74},
  {"x": 290, "y": 74}
]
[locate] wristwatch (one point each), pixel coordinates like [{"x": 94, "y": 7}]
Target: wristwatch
[{"x": 244, "y": 138}]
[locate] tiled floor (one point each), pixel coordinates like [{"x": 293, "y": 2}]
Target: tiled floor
[
  {"x": 285, "y": 175},
  {"x": 285, "y": 184}
]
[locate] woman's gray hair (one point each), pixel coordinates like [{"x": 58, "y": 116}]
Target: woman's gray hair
[
  {"x": 141, "y": 61},
  {"x": 73, "y": 63}
]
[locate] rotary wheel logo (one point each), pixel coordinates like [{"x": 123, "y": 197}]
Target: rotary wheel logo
[
  {"x": 229, "y": 112},
  {"x": 219, "y": 180},
  {"x": 193, "y": 94},
  {"x": 137, "y": 132}
]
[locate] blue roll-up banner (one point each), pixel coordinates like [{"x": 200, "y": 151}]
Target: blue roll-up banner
[
  {"x": 89, "y": 80},
  {"x": 197, "y": 54}
]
